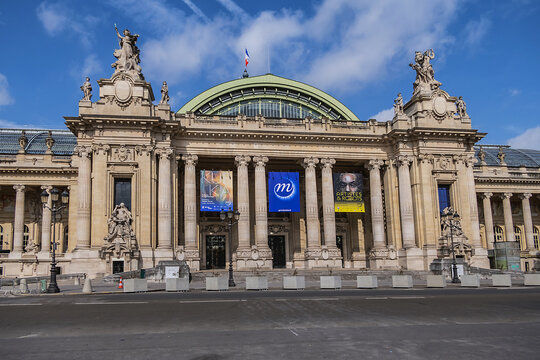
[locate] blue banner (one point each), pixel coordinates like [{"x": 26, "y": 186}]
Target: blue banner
[{"x": 284, "y": 191}]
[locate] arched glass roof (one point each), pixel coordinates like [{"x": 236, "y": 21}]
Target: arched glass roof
[{"x": 270, "y": 96}]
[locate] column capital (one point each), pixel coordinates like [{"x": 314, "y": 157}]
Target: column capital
[
  {"x": 260, "y": 161},
  {"x": 403, "y": 160},
  {"x": 242, "y": 160},
  {"x": 164, "y": 153},
  {"x": 46, "y": 187},
  {"x": 375, "y": 164},
  {"x": 426, "y": 158},
  {"x": 310, "y": 162},
  {"x": 104, "y": 148},
  {"x": 506, "y": 195},
  {"x": 83, "y": 151},
  {"x": 525, "y": 196},
  {"x": 470, "y": 160},
  {"x": 486, "y": 195},
  {"x": 190, "y": 159},
  {"x": 327, "y": 163},
  {"x": 19, "y": 188}
]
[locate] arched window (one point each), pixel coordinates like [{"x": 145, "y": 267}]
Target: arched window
[
  {"x": 65, "y": 239},
  {"x": 499, "y": 234},
  {"x": 536, "y": 237},
  {"x": 517, "y": 237},
  {"x": 26, "y": 236}
]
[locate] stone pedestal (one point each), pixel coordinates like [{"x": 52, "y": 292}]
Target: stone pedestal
[
  {"x": 366, "y": 282},
  {"x": 411, "y": 258},
  {"x": 436, "y": 281},
  {"x": 294, "y": 282},
  {"x": 470, "y": 280},
  {"x": 480, "y": 258},
  {"x": 256, "y": 283},
  {"x": 402, "y": 281},
  {"x": 218, "y": 283},
  {"x": 330, "y": 282}
]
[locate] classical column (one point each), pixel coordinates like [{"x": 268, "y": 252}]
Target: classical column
[
  {"x": 312, "y": 210},
  {"x": 527, "y": 220},
  {"x": 164, "y": 199},
  {"x": 377, "y": 212},
  {"x": 508, "y": 223},
  {"x": 473, "y": 205},
  {"x": 242, "y": 162},
  {"x": 84, "y": 184},
  {"x": 488, "y": 219},
  {"x": 18, "y": 228},
  {"x": 190, "y": 202},
  {"x": 406, "y": 203},
  {"x": 261, "y": 210},
  {"x": 46, "y": 222},
  {"x": 329, "y": 213}
]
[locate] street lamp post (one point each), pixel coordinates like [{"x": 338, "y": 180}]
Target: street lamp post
[
  {"x": 232, "y": 218},
  {"x": 452, "y": 220},
  {"x": 56, "y": 208}
]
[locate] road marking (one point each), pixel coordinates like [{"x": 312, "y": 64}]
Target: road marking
[
  {"x": 319, "y": 299},
  {"x": 27, "y": 336},
  {"x": 211, "y": 301},
  {"x": 111, "y": 302},
  {"x": 295, "y": 334},
  {"x": 376, "y": 298},
  {"x": 21, "y": 304},
  {"x": 407, "y": 297}
]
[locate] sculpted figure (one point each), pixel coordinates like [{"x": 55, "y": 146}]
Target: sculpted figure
[
  {"x": 119, "y": 223},
  {"x": 398, "y": 105},
  {"x": 425, "y": 75},
  {"x": 482, "y": 155},
  {"x": 501, "y": 155},
  {"x": 164, "y": 94},
  {"x": 128, "y": 54},
  {"x": 461, "y": 107},
  {"x": 87, "y": 89}
]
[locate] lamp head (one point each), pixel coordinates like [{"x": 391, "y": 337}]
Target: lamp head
[
  {"x": 236, "y": 215},
  {"x": 55, "y": 194},
  {"x": 44, "y": 196},
  {"x": 222, "y": 215},
  {"x": 65, "y": 197}
]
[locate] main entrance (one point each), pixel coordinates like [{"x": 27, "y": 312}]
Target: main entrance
[
  {"x": 215, "y": 251},
  {"x": 277, "y": 245}
]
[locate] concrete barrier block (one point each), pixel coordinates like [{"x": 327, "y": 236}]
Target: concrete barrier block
[
  {"x": 330, "y": 282},
  {"x": 502, "y": 280},
  {"x": 366, "y": 282},
  {"x": 402, "y": 281},
  {"x": 217, "y": 283},
  {"x": 470, "y": 280},
  {"x": 135, "y": 285},
  {"x": 436, "y": 281},
  {"x": 294, "y": 282},
  {"x": 256, "y": 283},
  {"x": 531, "y": 280},
  {"x": 177, "y": 284}
]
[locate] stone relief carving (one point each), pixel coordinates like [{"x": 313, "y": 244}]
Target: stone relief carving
[
  {"x": 123, "y": 154},
  {"x": 164, "y": 94},
  {"x": 452, "y": 232},
  {"x": 120, "y": 240},
  {"x": 128, "y": 55},
  {"x": 398, "y": 105},
  {"x": 425, "y": 80},
  {"x": 87, "y": 90},
  {"x": 31, "y": 247}
]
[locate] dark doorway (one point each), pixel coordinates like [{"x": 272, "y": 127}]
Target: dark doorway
[
  {"x": 215, "y": 252},
  {"x": 117, "y": 267},
  {"x": 339, "y": 244},
  {"x": 277, "y": 245}
]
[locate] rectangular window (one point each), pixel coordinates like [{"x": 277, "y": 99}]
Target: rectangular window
[
  {"x": 444, "y": 197},
  {"x": 122, "y": 192}
]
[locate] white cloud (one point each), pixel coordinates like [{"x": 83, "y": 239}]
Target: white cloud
[
  {"x": 196, "y": 10},
  {"x": 89, "y": 67},
  {"x": 529, "y": 139},
  {"x": 5, "y": 124},
  {"x": 475, "y": 30},
  {"x": 233, "y": 8},
  {"x": 384, "y": 115},
  {"x": 5, "y": 97},
  {"x": 57, "y": 18},
  {"x": 514, "y": 92}
]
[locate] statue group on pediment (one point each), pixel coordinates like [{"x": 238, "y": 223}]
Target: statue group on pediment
[
  {"x": 128, "y": 55},
  {"x": 425, "y": 75}
]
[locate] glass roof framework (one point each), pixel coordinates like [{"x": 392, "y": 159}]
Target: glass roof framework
[{"x": 270, "y": 96}]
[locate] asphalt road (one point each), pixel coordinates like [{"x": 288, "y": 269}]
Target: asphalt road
[{"x": 481, "y": 323}]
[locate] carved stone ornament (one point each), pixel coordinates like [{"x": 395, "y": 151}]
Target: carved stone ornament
[
  {"x": 452, "y": 232},
  {"x": 310, "y": 162},
  {"x": 398, "y": 105},
  {"x": 128, "y": 56},
  {"x": 425, "y": 75},
  {"x": 260, "y": 161},
  {"x": 144, "y": 149},
  {"x": 86, "y": 88},
  {"x": 242, "y": 160},
  {"x": 23, "y": 141},
  {"x": 461, "y": 107},
  {"x": 49, "y": 142},
  {"x": 276, "y": 229},
  {"x": 123, "y": 90},
  {"x": 121, "y": 240},
  {"x": 164, "y": 94},
  {"x": 378, "y": 253},
  {"x": 439, "y": 107},
  {"x": 215, "y": 229},
  {"x": 31, "y": 248},
  {"x": 190, "y": 159},
  {"x": 122, "y": 153}
]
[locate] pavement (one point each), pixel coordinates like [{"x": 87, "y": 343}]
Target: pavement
[{"x": 419, "y": 323}]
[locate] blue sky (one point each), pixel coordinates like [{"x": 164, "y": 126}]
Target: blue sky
[{"x": 356, "y": 50}]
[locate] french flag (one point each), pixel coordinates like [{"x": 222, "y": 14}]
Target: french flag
[{"x": 247, "y": 58}]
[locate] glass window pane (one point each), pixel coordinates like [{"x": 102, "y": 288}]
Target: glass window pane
[{"x": 122, "y": 192}]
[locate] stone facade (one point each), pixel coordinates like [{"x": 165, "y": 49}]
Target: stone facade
[{"x": 124, "y": 138}]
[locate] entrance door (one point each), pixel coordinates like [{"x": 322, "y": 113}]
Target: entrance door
[
  {"x": 215, "y": 251},
  {"x": 117, "y": 267},
  {"x": 277, "y": 245}
]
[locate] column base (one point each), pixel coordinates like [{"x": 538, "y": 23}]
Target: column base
[
  {"x": 15, "y": 255},
  {"x": 382, "y": 258},
  {"x": 323, "y": 257},
  {"x": 190, "y": 256},
  {"x": 87, "y": 261},
  {"x": 430, "y": 254},
  {"x": 254, "y": 258},
  {"x": 411, "y": 258},
  {"x": 480, "y": 259},
  {"x": 359, "y": 260}
]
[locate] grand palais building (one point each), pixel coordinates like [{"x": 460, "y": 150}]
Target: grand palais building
[{"x": 314, "y": 186}]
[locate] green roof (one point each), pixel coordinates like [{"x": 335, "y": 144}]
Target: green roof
[{"x": 267, "y": 86}]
